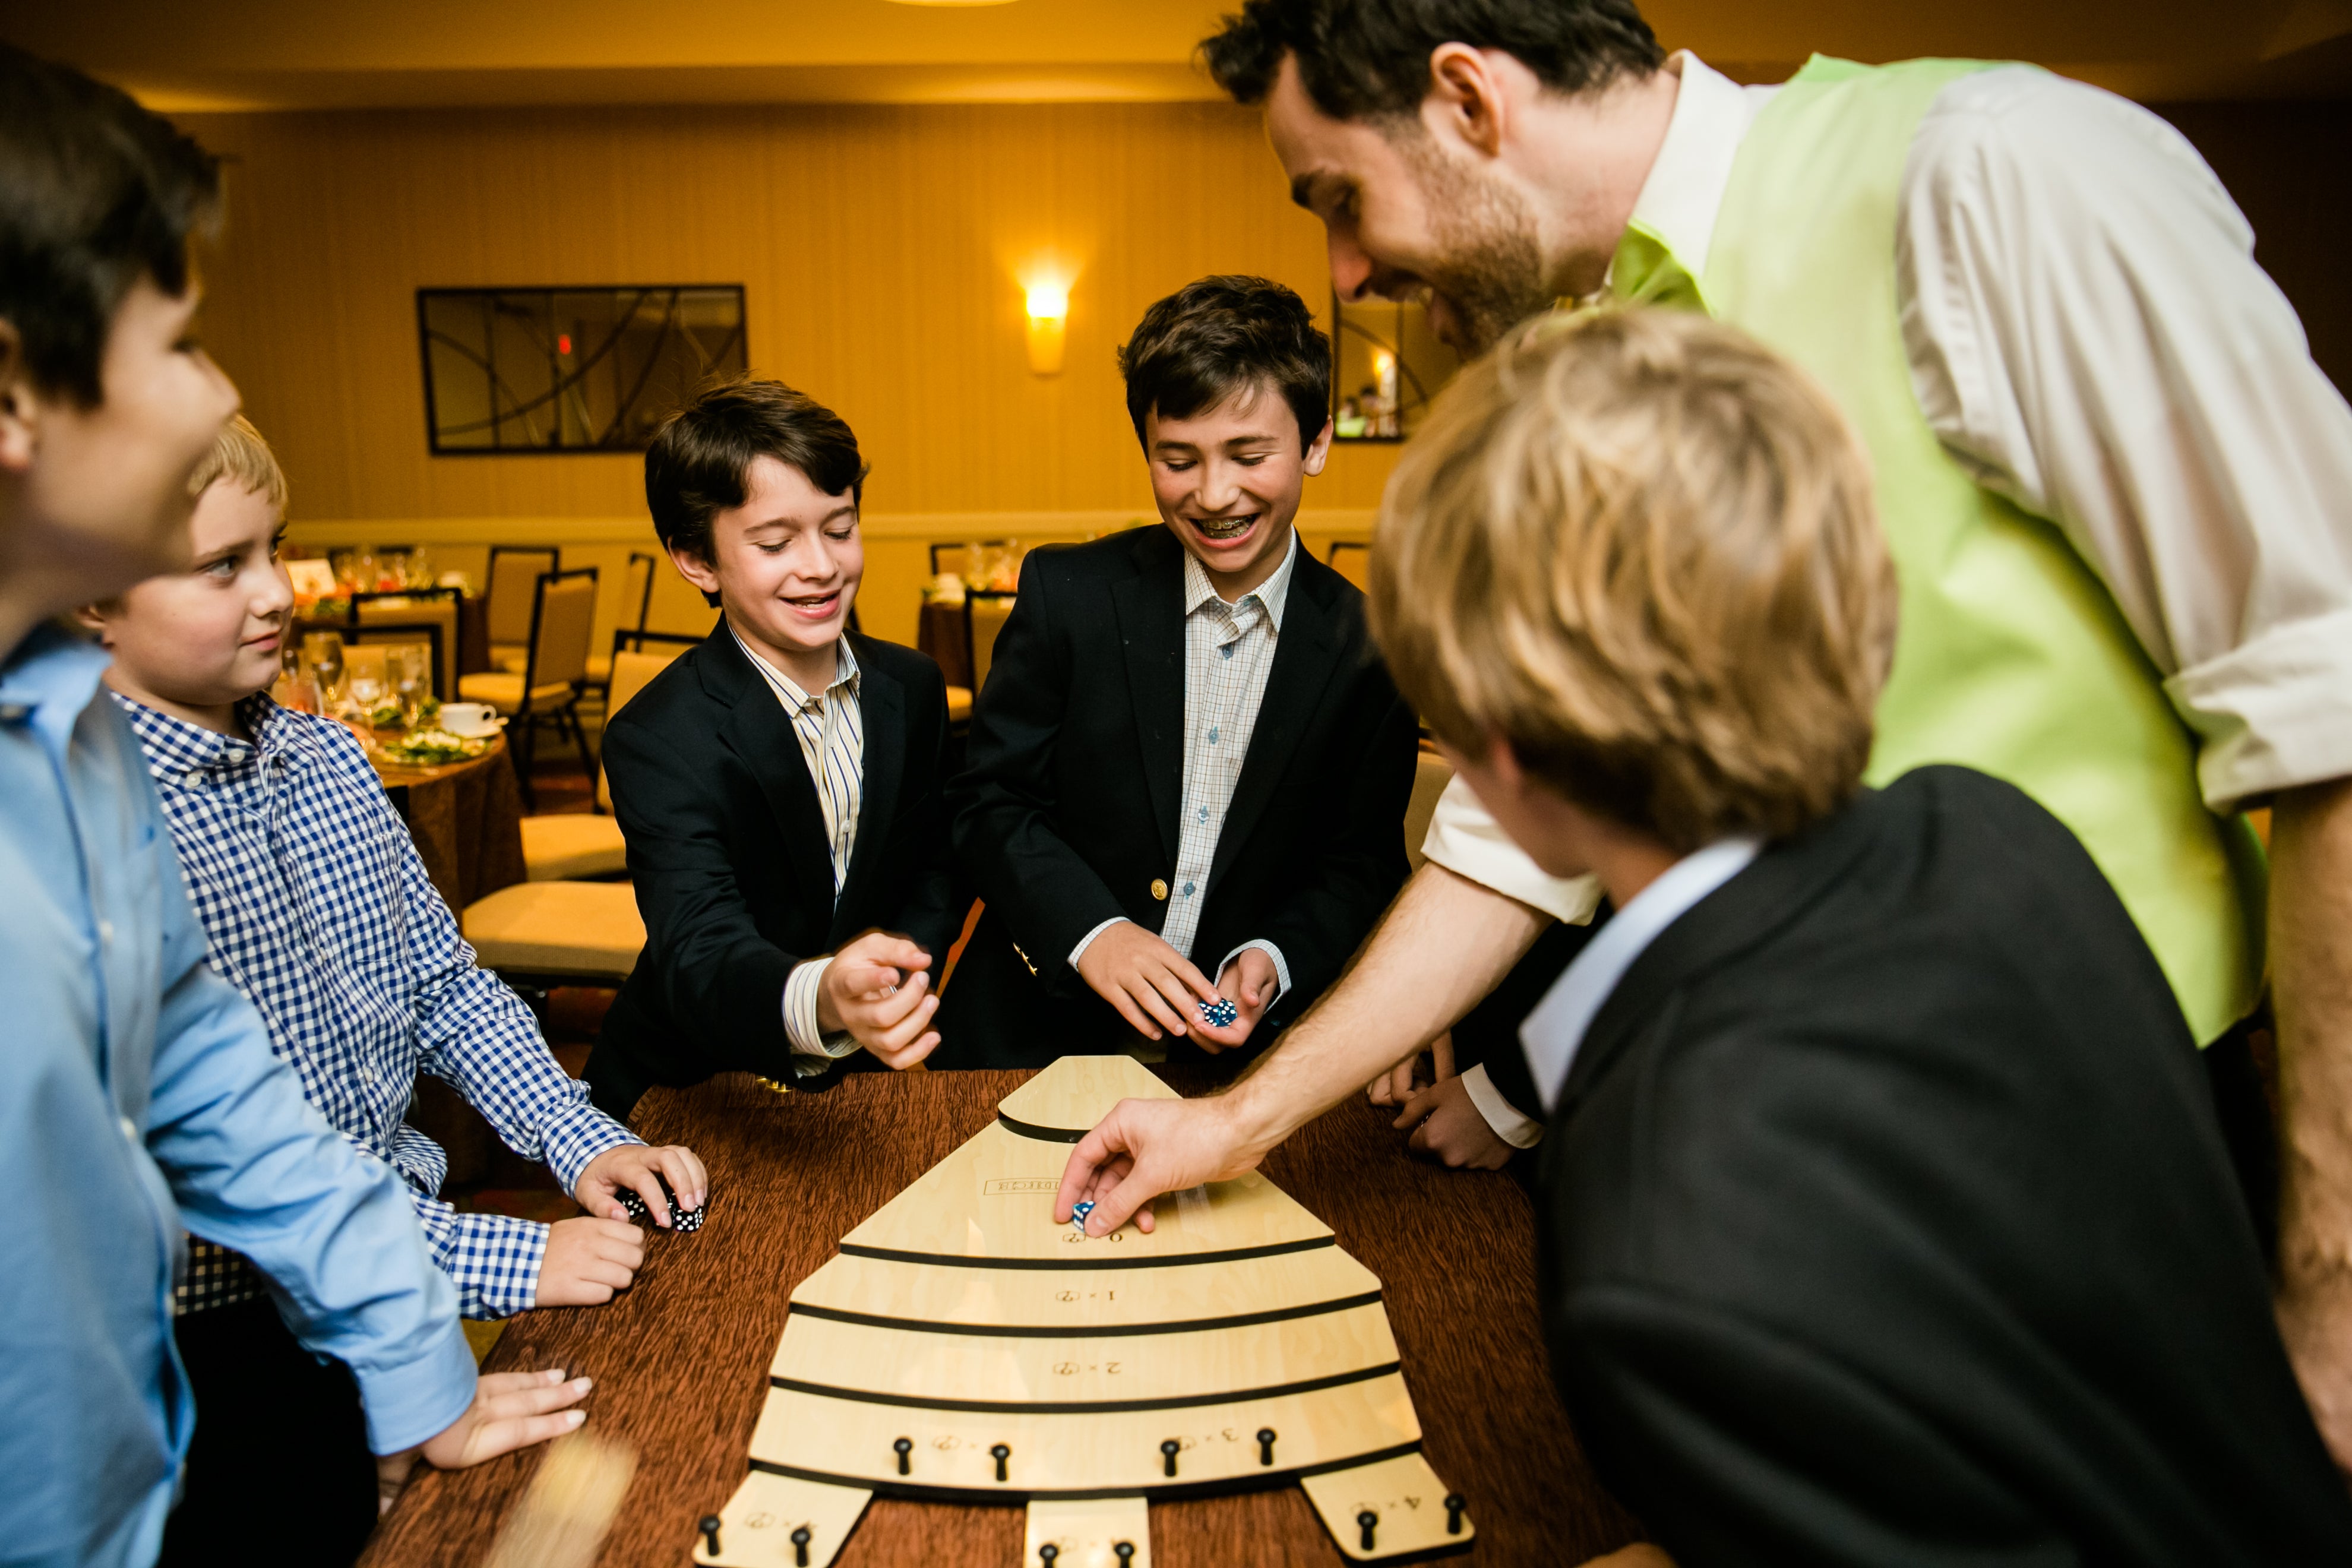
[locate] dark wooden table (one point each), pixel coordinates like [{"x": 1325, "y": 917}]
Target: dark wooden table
[
  {"x": 941, "y": 634},
  {"x": 680, "y": 1361}
]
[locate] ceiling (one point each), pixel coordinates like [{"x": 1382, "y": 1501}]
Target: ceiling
[{"x": 185, "y": 55}]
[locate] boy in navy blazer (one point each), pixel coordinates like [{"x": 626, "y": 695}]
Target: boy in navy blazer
[
  {"x": 779, "y": 786},
  {"x": 1188, "y": 771}
]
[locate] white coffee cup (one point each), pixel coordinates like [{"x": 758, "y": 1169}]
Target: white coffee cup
[{"x": 469, "y": 719}]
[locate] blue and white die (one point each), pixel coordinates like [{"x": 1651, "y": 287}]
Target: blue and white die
[{"x": 1220, "y": 1012}]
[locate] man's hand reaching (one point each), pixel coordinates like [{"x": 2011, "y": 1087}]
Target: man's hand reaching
[
  {"x": 878, "y": 988},
  {"x": 510, "y": 1410},
  {"x": 1145, "y": 1147}
]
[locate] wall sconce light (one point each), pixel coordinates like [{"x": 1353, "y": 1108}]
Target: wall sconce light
[{"x": 1049, "y": 319}]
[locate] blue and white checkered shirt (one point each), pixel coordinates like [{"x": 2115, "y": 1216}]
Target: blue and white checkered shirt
[{"x": 318, "y": 908}]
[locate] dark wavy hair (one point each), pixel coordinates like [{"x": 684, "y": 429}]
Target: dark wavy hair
[
  {"x": 1217, "y": 335},
  {"x": 95, "y": 193},
  {"x": 1369, "y": 59},
  {"x": 695, "y": 466}
]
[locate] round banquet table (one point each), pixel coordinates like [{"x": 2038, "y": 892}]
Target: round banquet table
[{"x": 466, "y": 817}]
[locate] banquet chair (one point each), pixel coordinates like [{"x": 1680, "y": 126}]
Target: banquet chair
[
  {"x": 577, "y": 846},
  {"x": 1352, "y": 559},
  {"x": 637, "y": 591},
  {"x": 408, "y": 609},
  {"x": 985, "y": 610},
  {"x": 562, "y": 622},
  {"x": 510, "y": 598},
  {"x": 1431, "y": 774},
  {"x": 539, "y": 936}
]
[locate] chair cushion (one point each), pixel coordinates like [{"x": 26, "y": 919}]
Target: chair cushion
[
  {"x": 573, "y": 848},
  {"x": 558, "y": 927},
  {"x": 514, "y": 658},
  {"x": 504, "y": 692},
  {"x": 959, "y": 704},
  {"x": 599, "y": 669}
]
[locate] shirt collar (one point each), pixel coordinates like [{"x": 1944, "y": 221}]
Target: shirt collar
[
  {"x": 1684, "y": 193},
  {"x": 48, "y": 683},
  {"x": 1555, "y": 1030},
  {"x": 176, "y": 747},
  {"x": 845, "y": 672},
  {"x": 1272, "y": 594}
]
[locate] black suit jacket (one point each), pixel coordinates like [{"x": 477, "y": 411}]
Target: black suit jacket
[
  {"x": 1065, "y": 813},
  {"x": 733, "y": 873},
  {"x": 1887, "y": 1220}
]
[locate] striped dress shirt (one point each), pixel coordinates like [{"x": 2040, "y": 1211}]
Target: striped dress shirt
[
  {"x": 317, "y": 908},
  {"x": 1228, "y": 654},
  {"x": 830, "y": 726}
]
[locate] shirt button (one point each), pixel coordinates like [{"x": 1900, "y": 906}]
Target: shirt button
[
  {"x": 1213, "y": 734},
  {"x": 130, "y": 1129},
  {"x": 106, "y": 933},
  {"x": 1227, "y": 651},
  {"x": 1188, "y": 889},
  {"x": 1159, "y": 886}
]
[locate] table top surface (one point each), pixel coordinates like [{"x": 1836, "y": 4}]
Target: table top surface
[
  {"x": 392, "y": 772},
  {"x": 680, "y": 1360}
]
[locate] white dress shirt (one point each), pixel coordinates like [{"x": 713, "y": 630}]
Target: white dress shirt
[
  {"x": 1555, "y": 1030},
  {"x": 2088, "y": 332},
  {"x": 831, "y": 728},
  {"x": 1228, "y": 654}
]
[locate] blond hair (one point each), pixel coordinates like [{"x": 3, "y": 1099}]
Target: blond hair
[
  {"x": 239, "y": 453},
  {"x": 1641, "y": 549}
]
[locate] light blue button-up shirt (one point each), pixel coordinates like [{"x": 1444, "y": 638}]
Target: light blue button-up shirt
[{"x": 139, "y": 1097}]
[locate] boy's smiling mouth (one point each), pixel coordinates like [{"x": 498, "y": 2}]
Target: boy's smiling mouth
[
  {"x": 1225, "y": 530},
  {"x": 815, "y": 606}
]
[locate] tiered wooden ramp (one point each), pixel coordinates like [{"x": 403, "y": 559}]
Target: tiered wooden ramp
[{"x": 965, "y": 1348}]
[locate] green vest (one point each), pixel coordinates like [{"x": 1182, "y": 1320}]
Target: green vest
[{"x": 2012, "y": 656}]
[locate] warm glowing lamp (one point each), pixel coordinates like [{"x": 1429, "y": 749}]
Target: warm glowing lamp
[{"x": 1049, "y": 321}]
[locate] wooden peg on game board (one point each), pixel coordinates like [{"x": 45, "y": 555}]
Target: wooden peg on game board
[
  {"x": 709, "y": 1528},
  {"x": 1168, "y": 1452},
  {"x": 1368, "y": 1522}
]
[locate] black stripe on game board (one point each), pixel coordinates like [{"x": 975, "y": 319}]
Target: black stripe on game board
[
  {"x": 1091, "y": 1331},
  {"x": 1177, "y": 1260},
  {"x": 1251, "y": 1479},
  {"x": 1086, "y": 1406},
  {"x": 1042, "y": 1135}
]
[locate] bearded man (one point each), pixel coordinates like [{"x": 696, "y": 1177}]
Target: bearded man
[{"x": 2112, "y": 479}]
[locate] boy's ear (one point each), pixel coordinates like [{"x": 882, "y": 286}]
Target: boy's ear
[
  {"x": 19, "y": 404},
  {"x": 1318, "y": 451},
  {"x": 92, "y": 619},
  {"x": 695, "y": 569}
]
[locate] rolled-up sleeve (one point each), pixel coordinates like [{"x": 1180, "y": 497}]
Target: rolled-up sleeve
[
  {"x": 1471, "y": 845},
  {"x": 2088, "y": 328}
]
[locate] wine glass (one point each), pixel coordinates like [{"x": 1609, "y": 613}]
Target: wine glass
[
  {"x": 322, "y": 659},
  {"x": 406, "y": 668}
]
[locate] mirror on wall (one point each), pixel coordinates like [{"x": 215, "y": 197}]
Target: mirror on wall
[
  {"x": 1387, "y": 364},
  {"x": 570, "y": 370}
]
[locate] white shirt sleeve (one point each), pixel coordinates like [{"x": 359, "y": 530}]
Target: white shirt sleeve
[
  {"x": 1467, "y": 842},
  {"x": 1520, "y": 1131},
  {"x": 2088, "y": 329},
  {"x": 812, "y": 1048}
]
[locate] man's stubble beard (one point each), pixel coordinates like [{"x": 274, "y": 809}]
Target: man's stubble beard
[{"x": 1488, "y": 263}]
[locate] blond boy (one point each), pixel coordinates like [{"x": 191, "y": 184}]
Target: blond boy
[
  {"x": 1886, "y": 1214},
  {"x": 317, "y": 908}
]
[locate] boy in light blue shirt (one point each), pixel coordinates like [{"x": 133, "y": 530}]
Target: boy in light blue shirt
[{"x": 137, "y": 1093}]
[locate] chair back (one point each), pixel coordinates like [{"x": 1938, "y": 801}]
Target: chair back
[
  {"x": 1352, "y": 559},
  {"x": 1431, "y": 774},
  {"x": 637, "y": 588},
  {"x": 417, "y": 607},
  {"x": 985, "y": 610},
  {"x": 948, "y": 558},
  {"x": 562, "y": 623},
  {"x": 509, "y": 587},
  {"x": 631, "y": 672}
]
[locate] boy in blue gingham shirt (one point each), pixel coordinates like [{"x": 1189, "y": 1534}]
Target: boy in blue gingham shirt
[{"x": 318, "y": 907}]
